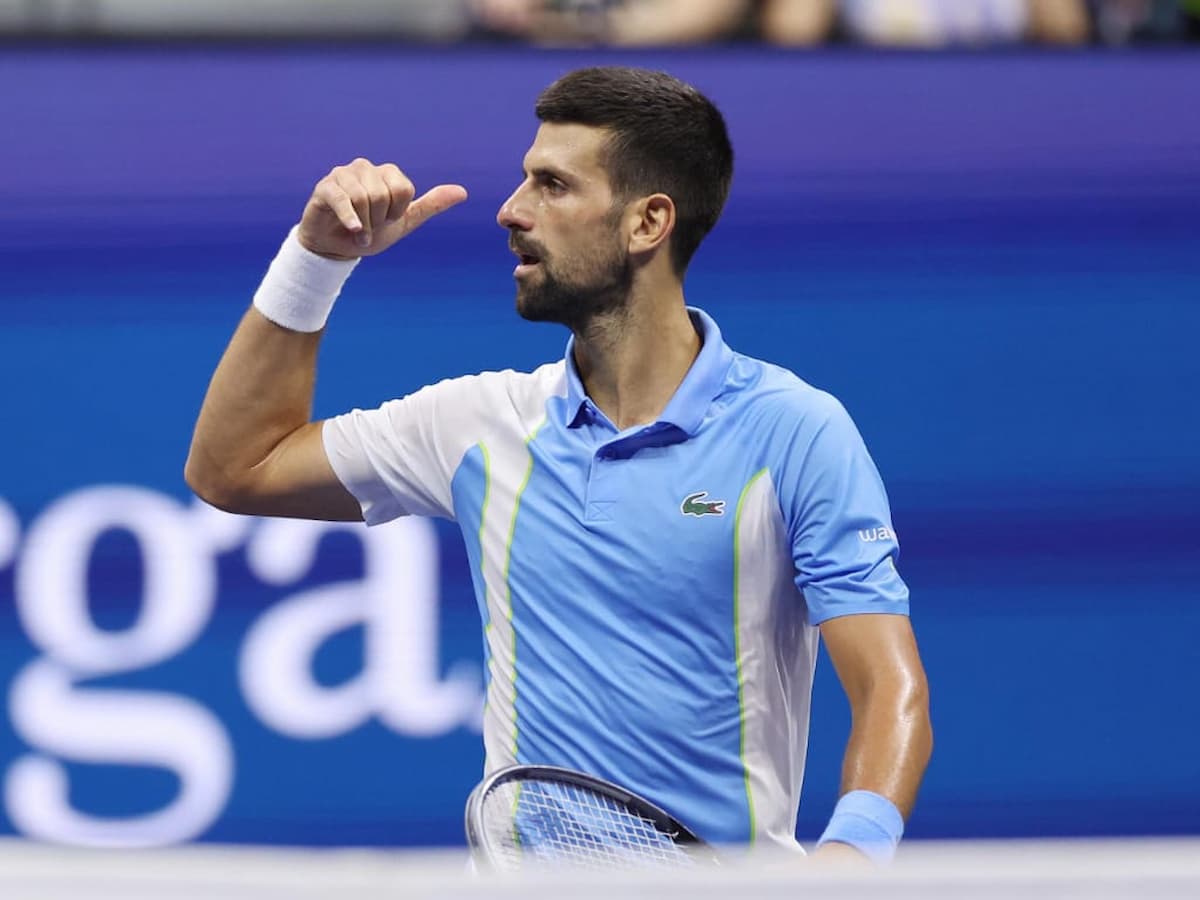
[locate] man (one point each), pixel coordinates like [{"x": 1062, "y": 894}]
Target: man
[{"x": 656, "y": 525}]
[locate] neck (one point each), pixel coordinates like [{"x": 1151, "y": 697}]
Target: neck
[{"x": 632, "y": 361}]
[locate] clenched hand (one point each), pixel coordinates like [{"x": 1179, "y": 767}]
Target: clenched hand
[{"x": 362, "y": 209}]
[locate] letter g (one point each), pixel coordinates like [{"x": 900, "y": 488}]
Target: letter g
[{"x": 107, "y": 726}]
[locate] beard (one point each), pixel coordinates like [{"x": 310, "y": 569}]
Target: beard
[{"x": 576, "y": 292}]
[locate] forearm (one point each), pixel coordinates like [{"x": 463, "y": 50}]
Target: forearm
[
  {"x": 260, "y": 393},
  {"x": 889, "y": 747},
  {"x": 890, "y": 743}
]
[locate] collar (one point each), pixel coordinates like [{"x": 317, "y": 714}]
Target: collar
[{"x": 691, "y": 400}]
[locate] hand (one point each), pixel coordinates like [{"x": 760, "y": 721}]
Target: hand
[
  {"x": 839, "y": 855},
  {"x": 362, "y": 209}
]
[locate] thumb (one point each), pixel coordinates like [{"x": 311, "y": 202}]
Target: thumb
[{"x": 435, "y": 200}]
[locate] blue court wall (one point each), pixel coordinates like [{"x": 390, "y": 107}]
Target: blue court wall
[{"x": 991, "y": 259}]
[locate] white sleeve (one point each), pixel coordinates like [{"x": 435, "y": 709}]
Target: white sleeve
[{"x": 400, "y": 459}]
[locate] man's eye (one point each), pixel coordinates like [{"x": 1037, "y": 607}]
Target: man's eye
[{"x": 555, "y": 186}]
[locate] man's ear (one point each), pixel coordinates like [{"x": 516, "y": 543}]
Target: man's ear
[{"x": 654, "y": 221}]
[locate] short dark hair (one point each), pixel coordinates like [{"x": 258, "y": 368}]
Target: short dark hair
[{"x": 666, "y": 137}]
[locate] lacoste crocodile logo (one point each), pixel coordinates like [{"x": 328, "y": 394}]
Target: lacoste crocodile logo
[{"x": 696, "y": 505}]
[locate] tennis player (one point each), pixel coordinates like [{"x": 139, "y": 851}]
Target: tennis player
[{"x": 659, "y": 528}]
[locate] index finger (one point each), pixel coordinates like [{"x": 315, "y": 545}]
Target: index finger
[
  {"x": 400, "y": 188},
  {"x": 334, "y": 198}
]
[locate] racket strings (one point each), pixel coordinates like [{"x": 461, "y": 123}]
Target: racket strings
[{"x": 545, "y": 822}]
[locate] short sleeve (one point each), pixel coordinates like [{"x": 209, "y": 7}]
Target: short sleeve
[
  {"x": 391, "y": 458},
  {"x": 839, "y": 525},
  {"x": 401, "y": 458}
]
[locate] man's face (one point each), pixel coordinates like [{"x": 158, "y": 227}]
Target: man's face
[{"x": 564, "y": 227}]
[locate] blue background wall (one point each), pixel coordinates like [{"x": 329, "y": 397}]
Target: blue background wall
[{"x": 992, "y": 260}]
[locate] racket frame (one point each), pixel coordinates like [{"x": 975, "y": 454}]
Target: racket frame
[{"x": 480, "y": 841}]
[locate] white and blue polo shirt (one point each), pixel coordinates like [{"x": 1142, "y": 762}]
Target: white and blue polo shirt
[{"x": 649, "y": 596}]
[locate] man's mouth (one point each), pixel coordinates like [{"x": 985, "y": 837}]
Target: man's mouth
[{"x": 526, "y": 262}]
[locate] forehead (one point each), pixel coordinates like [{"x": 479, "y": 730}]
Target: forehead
[{"x": 576, "y": 149}]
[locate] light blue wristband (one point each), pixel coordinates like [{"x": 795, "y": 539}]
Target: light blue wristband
[{"x": 868, "y": 822}]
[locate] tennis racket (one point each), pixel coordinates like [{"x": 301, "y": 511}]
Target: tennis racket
[{"x": 527, "y": 817}]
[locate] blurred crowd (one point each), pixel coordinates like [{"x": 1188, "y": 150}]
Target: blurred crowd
[
  {"x": 622, "y": 23},
  {"x": 912, "y": 23}
]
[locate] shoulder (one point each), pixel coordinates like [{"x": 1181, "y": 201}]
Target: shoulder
[
  {"x": 506, "y": 385},
  {"x": 505, "y": 400},
  {"x": 545, "y": 377},
  {"x": 777, "y": 399}
]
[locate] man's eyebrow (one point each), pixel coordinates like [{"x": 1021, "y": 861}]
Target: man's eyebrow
[{"x": 544, "y": 171}]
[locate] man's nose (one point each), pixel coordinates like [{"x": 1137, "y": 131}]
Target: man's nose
[{"x": 512, "y": 214}]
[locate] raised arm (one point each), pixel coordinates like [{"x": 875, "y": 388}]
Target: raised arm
[{"x": 255, "y": 448}]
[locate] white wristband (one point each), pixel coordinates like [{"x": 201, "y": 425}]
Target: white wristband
[{"x": 300, "y": 288}]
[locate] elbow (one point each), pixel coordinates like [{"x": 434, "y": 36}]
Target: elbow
[
  {"x": 903, "y": 691},
  {"x": 904, "y": 704},
  {"x": 214, "y": 487}
]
